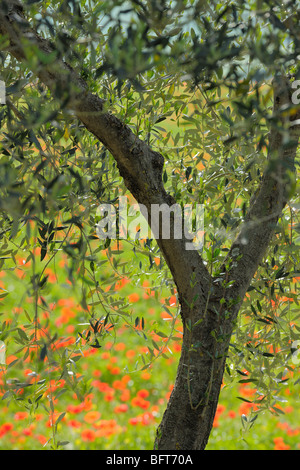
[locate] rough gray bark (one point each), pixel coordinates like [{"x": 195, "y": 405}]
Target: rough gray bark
[{"x": 208, "y": 323}]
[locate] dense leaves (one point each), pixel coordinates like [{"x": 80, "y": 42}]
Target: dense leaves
[{"x": 192, "y": 79}]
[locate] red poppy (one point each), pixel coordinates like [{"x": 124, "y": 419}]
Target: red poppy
[
  {"x": 122, "y": 408},
  {"x": 88, "y": 435}
]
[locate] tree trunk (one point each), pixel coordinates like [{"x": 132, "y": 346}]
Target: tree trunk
[{"x": 188, "y": 419}]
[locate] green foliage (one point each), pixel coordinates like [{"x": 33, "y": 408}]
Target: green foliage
[{"x": 193, "y": 81}]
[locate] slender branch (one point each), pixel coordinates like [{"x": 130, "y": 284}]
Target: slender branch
[{"x": 272, "y": 195}]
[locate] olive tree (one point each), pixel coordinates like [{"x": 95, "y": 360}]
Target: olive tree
[{"x": 109, "y": 75}]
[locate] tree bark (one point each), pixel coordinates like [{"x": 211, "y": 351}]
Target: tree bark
[{"x": 208, "y": 310}]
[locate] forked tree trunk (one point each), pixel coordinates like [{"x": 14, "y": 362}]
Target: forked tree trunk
[{"x": 208, "y": 310}]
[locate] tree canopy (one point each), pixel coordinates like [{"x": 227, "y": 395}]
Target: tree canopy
[{"x": 182, "y": 101}]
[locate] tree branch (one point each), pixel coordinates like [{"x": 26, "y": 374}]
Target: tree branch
[
  {"x": 273, "y": 193},
  {"x": 139, "y": 165}
]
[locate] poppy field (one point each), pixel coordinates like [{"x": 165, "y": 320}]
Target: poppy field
[{"x": 82, "y": 391}]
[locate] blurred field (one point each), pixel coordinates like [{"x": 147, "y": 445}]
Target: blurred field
[{"x": 124, "y": 403}]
